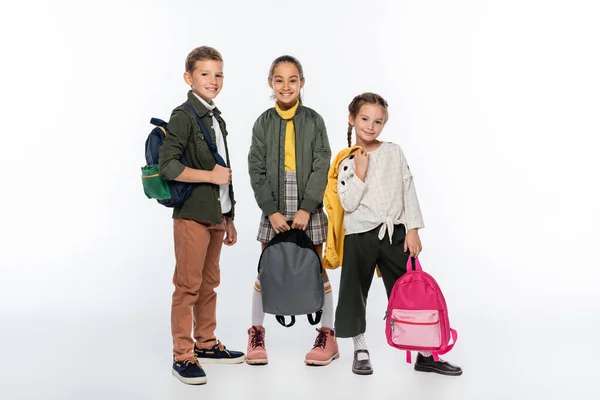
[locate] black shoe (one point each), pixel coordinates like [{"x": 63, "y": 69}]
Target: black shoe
[
  {"x": 218, "y": 354},
  {"x": 428, "y": 364},
  {"x": 362, "y": 367},
  {"x": 189, "y": 371}
]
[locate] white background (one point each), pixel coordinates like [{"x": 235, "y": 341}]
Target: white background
[{"x": 495, "y": 104}]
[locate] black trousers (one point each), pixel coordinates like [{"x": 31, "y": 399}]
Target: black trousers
[{"x": 362, "y": 252}]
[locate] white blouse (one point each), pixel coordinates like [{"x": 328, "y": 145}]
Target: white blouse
[{"x": 387, "y": 197}]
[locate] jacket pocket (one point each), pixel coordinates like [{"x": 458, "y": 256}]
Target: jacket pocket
[
  {"x": 205, "y": 156},
  {"x": 418, "y": 328}
]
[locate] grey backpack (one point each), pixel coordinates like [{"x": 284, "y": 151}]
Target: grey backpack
[{"x": 291, "y": 280}]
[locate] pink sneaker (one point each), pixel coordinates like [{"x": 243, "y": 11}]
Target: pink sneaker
[
  {"x": 257, "y": 353},
  {"x": 325, "y": 349}
]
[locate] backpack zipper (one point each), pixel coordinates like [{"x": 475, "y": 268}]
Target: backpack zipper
[{"x": 411, "y": 322}]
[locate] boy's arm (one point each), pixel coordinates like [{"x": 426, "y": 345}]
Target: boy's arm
[
  {"x": 317, "y": 181},
  {"x": 169, "y": 166},
  {"x": 257, "y": 167}
]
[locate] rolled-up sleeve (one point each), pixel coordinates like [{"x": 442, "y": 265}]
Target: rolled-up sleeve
[
  {"x": 350, "y": 188},
  {"x": 178, "y": 134}
]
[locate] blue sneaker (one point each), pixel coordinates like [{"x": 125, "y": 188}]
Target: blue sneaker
[
  {"x": 189, "y": 371},
  {"x": 218, "y": 354}
]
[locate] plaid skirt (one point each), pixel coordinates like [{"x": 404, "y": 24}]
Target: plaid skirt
[{"x": 317, "y": 225}]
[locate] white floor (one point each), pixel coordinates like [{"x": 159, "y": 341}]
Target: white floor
[{"x": 127, "y": 356}]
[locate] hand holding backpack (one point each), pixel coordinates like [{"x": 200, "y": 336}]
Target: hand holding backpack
[{"x": 417, "y": 315}]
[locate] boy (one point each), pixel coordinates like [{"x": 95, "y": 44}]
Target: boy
[{"x": 203, "y": 223}]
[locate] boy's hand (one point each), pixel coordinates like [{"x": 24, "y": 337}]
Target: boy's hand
[
  {"x": 230, "y": 232},
  {"x": 220, "y": 175},
  {"x": 278, "y": 222},
  {"x": 412, "y": 242},
  {"x": 301, "y": 220},
  {"x": 362, "y": 163}
]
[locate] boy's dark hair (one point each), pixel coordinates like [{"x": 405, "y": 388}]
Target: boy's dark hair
[
  {"x": 201, "y": 53},
  {"x": 287, "y": 59},
  {"x": 358, "y": 102}
]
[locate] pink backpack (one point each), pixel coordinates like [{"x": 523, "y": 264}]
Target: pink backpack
[{"x": 417, "y": 317}]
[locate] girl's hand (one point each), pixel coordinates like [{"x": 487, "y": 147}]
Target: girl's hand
[
  {"x": 412, "y": 242},
  {"x": 301, "y": 220},
  {"x": 362, "y": 163},
  {"x": 230, "y": 232},
  {"x": 278, "y": 222}
]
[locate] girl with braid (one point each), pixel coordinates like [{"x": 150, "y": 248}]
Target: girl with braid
[{"x": 381, "y": 219}]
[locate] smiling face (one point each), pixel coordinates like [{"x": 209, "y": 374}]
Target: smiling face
[
  {"x": 368, "y": 123},
  {"x": 207, "y": 79},
  {"x": 286, "y": 83}
]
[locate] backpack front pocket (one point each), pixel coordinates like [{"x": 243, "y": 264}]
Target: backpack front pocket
[
  {"x": 417, "y": 328},
  {"x": 154, "y": 186}
]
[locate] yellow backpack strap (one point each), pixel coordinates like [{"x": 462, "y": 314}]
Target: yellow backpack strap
[{"x": 163, "y": 129}]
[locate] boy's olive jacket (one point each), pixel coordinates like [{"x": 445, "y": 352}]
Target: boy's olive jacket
[{"x": 185, "y": 138}]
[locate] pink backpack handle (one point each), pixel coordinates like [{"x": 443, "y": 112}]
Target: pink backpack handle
[{"x": 417, "y": 264}]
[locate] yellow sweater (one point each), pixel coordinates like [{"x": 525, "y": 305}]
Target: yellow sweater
[
  {"x": 290, "y": 136},
  {"x": 334, "y": 249}
]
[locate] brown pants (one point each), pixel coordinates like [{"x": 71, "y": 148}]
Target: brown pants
[{"x": 197, "y": 274}]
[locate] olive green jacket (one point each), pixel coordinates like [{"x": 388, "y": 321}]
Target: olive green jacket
[
  {"x": 185, "y": 138},
  {"x": 267, "y": 154}
]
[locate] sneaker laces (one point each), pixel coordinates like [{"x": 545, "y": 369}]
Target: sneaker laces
[
  {"x": 321, "y": 340},
  {"x": 258, "y": 338},
  {"x": 191, "y": 361},
  {"x": 222, "y": 348}
]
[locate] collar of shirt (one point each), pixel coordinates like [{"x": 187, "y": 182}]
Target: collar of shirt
[{"x": 209, "y": 106}]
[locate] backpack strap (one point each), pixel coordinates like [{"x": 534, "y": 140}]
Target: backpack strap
[
  {"x": 454, "y": 336},
  {"x": 157, "y": 122},
  {"x": 317, "y": 319},
  {"x": 436, "y": 355},
  {"x": 206, "y": 134},
  {"x": 160, "y": 124},
  {"x": 413, "y": 263},
  {"x": 281, "y": 320}
]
